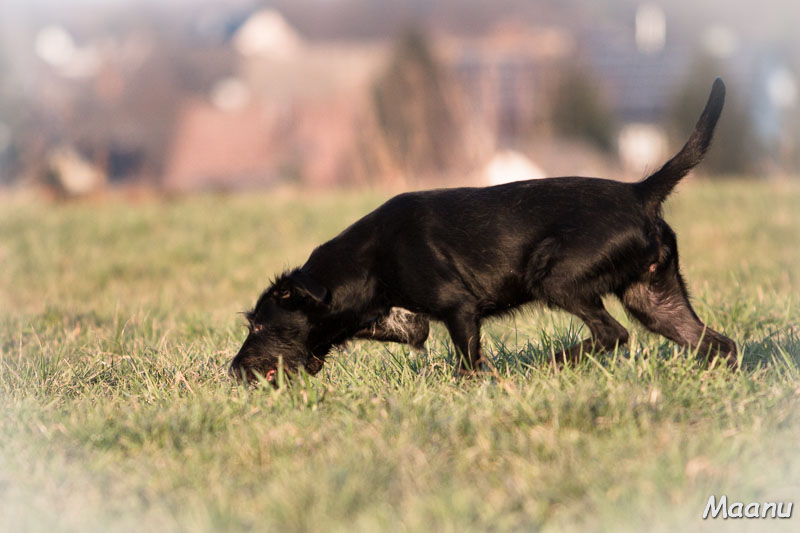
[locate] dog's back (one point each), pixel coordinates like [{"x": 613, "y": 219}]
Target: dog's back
[{"x": 574, "y": 207}]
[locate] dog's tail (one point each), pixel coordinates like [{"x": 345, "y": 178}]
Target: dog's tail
[{"x": 655, "y": 188}]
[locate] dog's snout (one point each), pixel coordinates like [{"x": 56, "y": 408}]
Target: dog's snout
[
  {"x": 239, "y": 366},
  {"x": 235, "y": 370}
]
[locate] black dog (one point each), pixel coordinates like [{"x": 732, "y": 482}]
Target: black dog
[{"x": 461, "y": 255}]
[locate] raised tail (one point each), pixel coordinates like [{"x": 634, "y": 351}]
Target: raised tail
[{"x": 655, "y": 188}]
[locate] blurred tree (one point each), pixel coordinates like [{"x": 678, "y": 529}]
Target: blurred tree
[
  {"x": 415, "y": 113},
  {"x": 736, "y": 148},
  {"x": 580, "y": 110},
  {"x": 6, "y": 155},
  {"x": 13, "y": 111}
]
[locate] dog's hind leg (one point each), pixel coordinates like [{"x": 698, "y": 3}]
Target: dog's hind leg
[
  {"x": 606, "y": 332},
  {"x": 465, "y": 331},
  {"x": 662, "y": 306}
]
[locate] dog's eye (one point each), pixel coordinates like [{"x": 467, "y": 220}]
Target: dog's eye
[
  {"x": 256, "y": 327},
  {"x": 284, "y": 294}
]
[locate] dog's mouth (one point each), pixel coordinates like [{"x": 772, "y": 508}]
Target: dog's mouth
[{"x": 253, "y": 373}]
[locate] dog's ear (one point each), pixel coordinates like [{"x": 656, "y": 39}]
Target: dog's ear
[
  {"x": 300, "y": 286},
  {"x": 308, "y": 287}
]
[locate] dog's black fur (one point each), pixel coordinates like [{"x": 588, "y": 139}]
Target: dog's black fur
[{"x": 462, "y": 255}]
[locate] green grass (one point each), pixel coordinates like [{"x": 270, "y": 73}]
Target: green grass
[{"x": 117, "y": 321}]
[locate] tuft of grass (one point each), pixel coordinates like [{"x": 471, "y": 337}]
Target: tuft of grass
[{"x": 117, "y": 322}]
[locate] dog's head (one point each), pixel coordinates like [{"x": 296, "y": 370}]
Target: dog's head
[{"x": 284, "y": 329}]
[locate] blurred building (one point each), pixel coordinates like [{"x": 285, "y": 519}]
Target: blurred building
[
  {"x": 221, "y": 96},
  {"x": 508, "y": 74},
  {"x": 291, "y": 110}
]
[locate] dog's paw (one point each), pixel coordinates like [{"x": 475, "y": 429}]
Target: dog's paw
[{"x": 731, "y": 360}]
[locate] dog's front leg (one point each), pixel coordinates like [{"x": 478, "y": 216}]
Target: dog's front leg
[
  {"x": 465, "y": 331},
  {"x": 399, "y": 325}
]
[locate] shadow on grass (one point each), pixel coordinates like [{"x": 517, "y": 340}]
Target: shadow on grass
[{"x": 780, "y": 349}]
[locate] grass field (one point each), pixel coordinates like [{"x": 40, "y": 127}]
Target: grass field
[{"x": 117, "y": 321}]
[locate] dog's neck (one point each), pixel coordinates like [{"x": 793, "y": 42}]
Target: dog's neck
[{"x": 355, "y": 293}]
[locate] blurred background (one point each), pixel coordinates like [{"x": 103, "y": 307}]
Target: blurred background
[{"x": 196, "y": 95}]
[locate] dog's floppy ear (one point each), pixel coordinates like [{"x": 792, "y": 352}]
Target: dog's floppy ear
[
  {"x": 308, "y": 287},
  {"x": 300, "y": 286}
]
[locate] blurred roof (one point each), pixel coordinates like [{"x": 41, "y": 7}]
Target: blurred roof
[{"x": 222, "y": 149}]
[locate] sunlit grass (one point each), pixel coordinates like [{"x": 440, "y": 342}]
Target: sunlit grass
[{"x": 117, "y": 321}]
